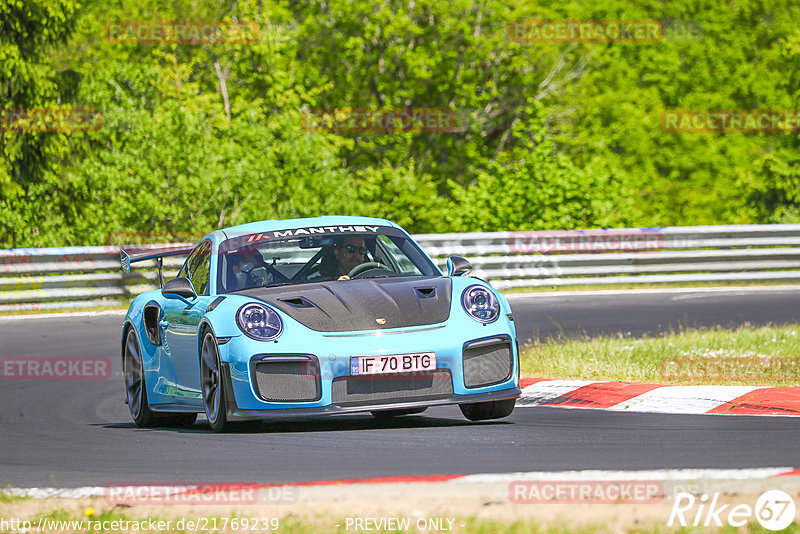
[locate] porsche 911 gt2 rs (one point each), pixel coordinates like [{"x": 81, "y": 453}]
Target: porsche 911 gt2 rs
[{"x": 315, "y": 316}]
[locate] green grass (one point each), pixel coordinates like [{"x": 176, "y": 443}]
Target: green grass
[
  {"x": 6, "y": 498},
  {"x": 471, "y": 525},
  {"x": 293, "y": 525},
  {"x": 766, "y": 356}
]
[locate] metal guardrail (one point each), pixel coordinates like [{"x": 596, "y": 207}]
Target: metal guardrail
[
  {"x": 627, "y": 256},
  {"x": 73, "y": 277}
]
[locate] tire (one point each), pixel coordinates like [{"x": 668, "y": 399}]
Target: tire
[
  {"x": 214, "y": 395},
  {"x": 136, "y": 391},
  {"x": 481, "y": 411},
  {"x": 135, "y": 387},
  {"x": 386, "y": 414}
]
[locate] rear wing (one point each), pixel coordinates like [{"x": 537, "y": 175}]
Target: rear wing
[{"x": 126, "y": 258}]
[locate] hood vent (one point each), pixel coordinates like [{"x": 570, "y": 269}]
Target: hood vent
[
  {"x": 297, "y": 302},
  {"x": 425, "y": 292},
  {"x": 356, "y": 305}
]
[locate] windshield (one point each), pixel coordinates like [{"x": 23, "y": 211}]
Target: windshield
[{"x": 307, "y": 255}]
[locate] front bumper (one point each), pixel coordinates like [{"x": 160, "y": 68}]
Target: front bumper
[
  {"x": 234, "y": 412},
  {"x": 332, "y": 353}
]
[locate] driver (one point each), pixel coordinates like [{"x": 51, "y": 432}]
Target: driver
[{"x": 350, "y": 252}]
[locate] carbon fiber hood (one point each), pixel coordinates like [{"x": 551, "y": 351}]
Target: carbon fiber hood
[{"x": 369, "y": 304}]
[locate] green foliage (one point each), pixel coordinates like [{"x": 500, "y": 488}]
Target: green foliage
[
  {"x": 171, "y": 158},
  {"x": 532, "y": 186},
  {"x": 443, "y": 55},
  {"x": 723, "y": 56},
  {"x": 551, "y": 135},
  {"x": 400, "y": 194},
  {"x": 29, "y": 31}
]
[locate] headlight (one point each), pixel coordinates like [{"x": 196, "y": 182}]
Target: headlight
[
  {"x": 259, "y": 322},
  {"x": 480, "y": 304}
]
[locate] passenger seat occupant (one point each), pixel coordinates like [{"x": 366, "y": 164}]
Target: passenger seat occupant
[{"x": 249, "y": 271}]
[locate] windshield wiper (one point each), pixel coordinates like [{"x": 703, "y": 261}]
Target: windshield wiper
[{"x": 279, "y": 284}]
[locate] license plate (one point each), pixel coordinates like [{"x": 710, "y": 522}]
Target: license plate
[{"x": 392, "y": 363}]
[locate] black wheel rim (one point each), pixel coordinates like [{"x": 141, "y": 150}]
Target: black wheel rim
[
  {"x": 133, "y": 375},
  {"x": 209, "y": 374}
]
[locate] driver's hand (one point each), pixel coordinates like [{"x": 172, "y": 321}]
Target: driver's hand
[{"x": 344, "y": 277}]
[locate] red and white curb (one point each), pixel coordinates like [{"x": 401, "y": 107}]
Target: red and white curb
[
  {"x": 665, "y": 475},
  {"x": 659, "y": 398}
]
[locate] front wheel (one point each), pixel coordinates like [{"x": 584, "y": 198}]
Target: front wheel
[
  {"x": 481, "y": 411},
  {"x": 212, "y": 386}
]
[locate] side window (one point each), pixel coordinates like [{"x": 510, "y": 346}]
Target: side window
[
  {"x": 388, "y": 248},
  {"x": 198, "y": 267}
]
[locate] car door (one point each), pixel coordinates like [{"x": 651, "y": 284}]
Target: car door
[{"x": 182, "y": 320}]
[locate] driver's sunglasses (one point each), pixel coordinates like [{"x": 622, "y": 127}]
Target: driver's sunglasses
[{"x": 352, "y": 249}]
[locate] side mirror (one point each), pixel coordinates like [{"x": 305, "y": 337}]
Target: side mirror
[
  {"x": 180, "y": 288},
  {"x": 458, "y": 266}
]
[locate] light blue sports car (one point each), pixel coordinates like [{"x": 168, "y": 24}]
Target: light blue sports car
[{"x": 316, "y": 316}]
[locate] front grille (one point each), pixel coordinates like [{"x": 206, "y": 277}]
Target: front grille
[
  {"x": 389, "y": 388},
  {"x": 488, "y": 361},
  {"x": 287, "y": 381}
]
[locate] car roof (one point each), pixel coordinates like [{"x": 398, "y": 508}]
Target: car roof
[{"x": 304, "y": 222}]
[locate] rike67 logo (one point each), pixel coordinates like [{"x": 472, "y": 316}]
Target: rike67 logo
[{"x": 774, "y": 510}]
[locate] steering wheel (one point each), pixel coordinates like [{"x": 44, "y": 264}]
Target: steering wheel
[
  {"x": 254, "y": 278},
  {"x": 257, "y": 277},
  {"x": 364, "y": 267}
]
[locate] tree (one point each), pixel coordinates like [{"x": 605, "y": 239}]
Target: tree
[{"x": 29, "y": 31}]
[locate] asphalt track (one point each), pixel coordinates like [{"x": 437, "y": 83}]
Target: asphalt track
[
  {"x": 77, "y": 433},
  {"x": 650, "y": 312}
]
